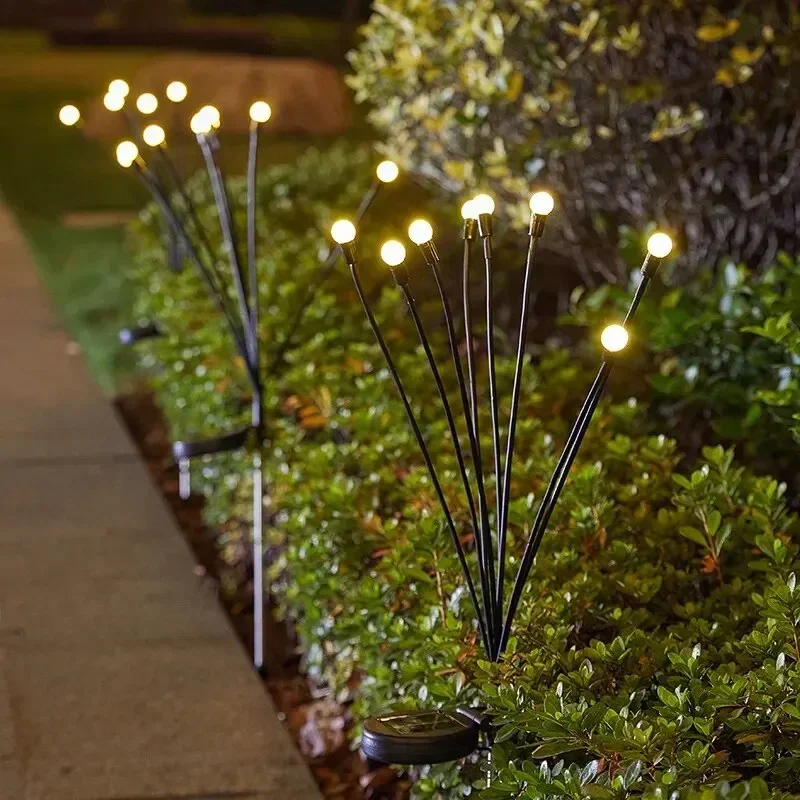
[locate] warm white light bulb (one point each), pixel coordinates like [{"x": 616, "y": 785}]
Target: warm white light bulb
[
  {"x": 387, "y": 171},
  {"x": 468, "y": 210},
  {"x": 343, "y": 231},
  {"x": 483, "y": 204},
  {"x": 659, "y": 245},
  {"x": 212, "y": 115},
  {"x": 420, "y": 231},
  {"x": 127, "y": 153},
  {"x": 176, "y": 91},
  {"x": 200, "y": 123},
  {"x": 260, "y": 111},
  {"x": 147, "y": 103},
  {"x": 69, "y": 116},
  {"x": 113, "y": 102},
  {"x": 614, "y": 338},
  {"x": 153, "y": 135},
  {"x": 393, "y": 254},
  {"x": 120, "y": 87},
  {"x": 542, "y": 203}
]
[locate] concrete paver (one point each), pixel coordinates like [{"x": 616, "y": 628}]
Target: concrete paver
[{"x": 120, "y": 676}]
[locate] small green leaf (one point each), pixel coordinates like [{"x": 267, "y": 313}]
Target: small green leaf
[{"x": 695, "y": 535}]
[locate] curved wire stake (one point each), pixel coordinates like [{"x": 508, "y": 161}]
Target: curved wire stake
[
  {"x": 349, "y": 254},
  {"x": 482, "y": 532},
  {"x": 189, "y": 207},
  {"x": 535, "y": 232},
  {"x": 258, "y": 403},
  {"x": 469, "y": 236},
  {"x": 401, "y": 277},
  {"x": 564, "y": 464},
  {"x": 485, "y": 232},
  {"x": 216, "y": 294},
  {"x": 208, "y": 143}
]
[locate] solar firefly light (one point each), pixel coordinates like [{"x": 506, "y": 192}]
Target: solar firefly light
[
  {"x": 234, "y": 293},
  {"x": 69, "y": 116},
  {"x": 147, "y": 103},
  {"x": 239, "y": 322},
  {"x": 176, "y": 91},
  {"x": 113, "y": 102},
  {"x": 119, "y": 87},
  {"x": 433, "y": 737}
]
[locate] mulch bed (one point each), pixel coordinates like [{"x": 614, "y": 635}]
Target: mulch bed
[{"x": 318, "y": 724}]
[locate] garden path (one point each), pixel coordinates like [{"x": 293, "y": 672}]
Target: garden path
[{"x": 119, "y": 674}]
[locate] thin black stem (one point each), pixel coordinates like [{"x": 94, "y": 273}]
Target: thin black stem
[
  {"x": 559, "y": 476},
  {"x": 512, "y": 422},
  {"x": 487, "y": 256},
  {"x": 217, "y": 297},
  {"x": 174, "y": 254},
  {"x": 173, "y": 247},
  {"x": 132, "y": 124},
  {"x": 448, "y": 412},
  {"x": 484, "y": 552},
  {"x": 549, "y": 499},
  {"x": 432, "y": 260},
  {"x": 228, "y": 233},
  {"x": 314, "y": 287},
  {"x": 483, "y": 532},
  {"x": 426, "y": 457},
  {"x": 189, "y": 206},
  {"x": 473, "y": 387},
  {"x": 252, "y": 167}
]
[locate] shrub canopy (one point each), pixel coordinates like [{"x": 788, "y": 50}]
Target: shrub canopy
[
  {"x": 682, "y": 113},
  {"x": 656, "y": 649}
]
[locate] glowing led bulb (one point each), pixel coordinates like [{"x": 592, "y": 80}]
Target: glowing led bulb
[
  {"x": 69, "y": 116},
  {"x": 127, "y": 153},
  {"x": 343, "y": 231},
  {"x": 119, "y": 87},
  {"x": 542, "y": 203},
  {"x": 393, "y": 254},
  {"x": 468, "y": 210},
  {"x": 200, "y": 123},
  {"x": 153, "y": 135},
  {"x": 387, "y": 171},
  {"x": 420, "y": 231},
  {"x": 113, "y": 102},
  {"x": 176, "y": 91},
  {"x": 614, "y": 338},
  {"x": 211, "y": 113},
  {"x": 147, "y": 103},
  {"x": 483, "y": 204},
  {"x": 659, "y": 245},
  {"x": 260, "y": 111}
]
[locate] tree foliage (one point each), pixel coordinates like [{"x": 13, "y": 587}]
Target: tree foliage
[{"x": 680, "y": 112}]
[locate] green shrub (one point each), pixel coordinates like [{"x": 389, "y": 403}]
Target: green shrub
[
  {"x": 722, "y": 358},
  {"x": 656, "y": 648},
  {"x": 683, "y": 113}
]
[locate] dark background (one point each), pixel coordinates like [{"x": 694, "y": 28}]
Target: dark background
[{"x": 42, "y": 13}]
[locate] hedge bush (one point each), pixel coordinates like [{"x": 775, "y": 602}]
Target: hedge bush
[
  {"x": 723, "y": 359},
  {"x": 681, "y": 113},
  {"x": 656, "y": 651}
]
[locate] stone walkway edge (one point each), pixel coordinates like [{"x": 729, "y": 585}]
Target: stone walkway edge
[{"x": 120, "y": 676}]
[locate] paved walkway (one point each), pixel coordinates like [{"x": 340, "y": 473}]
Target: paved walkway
[{"x": 119, "y": 675}]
